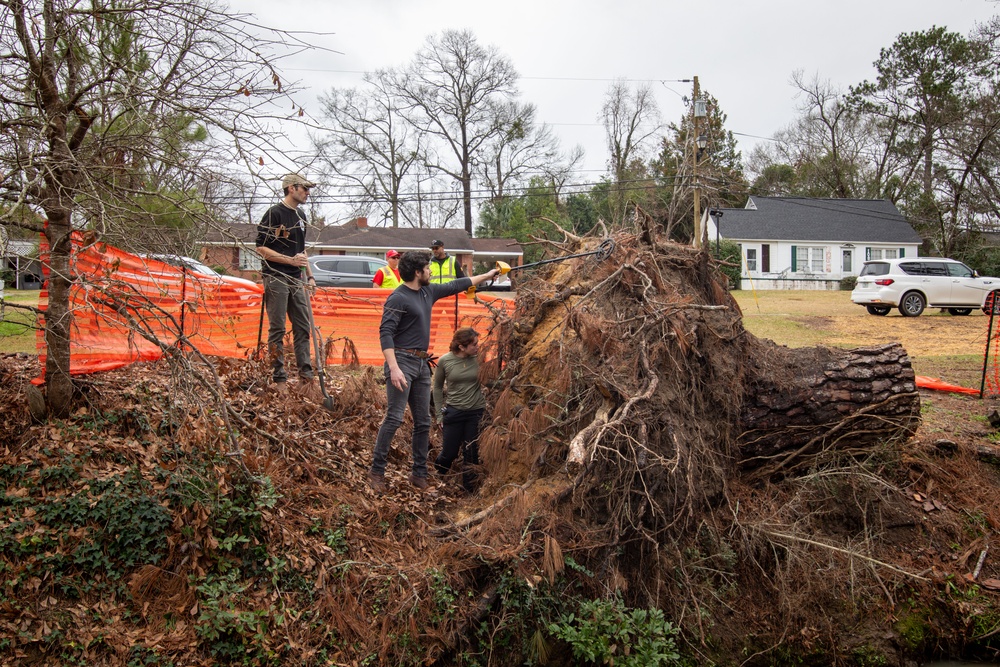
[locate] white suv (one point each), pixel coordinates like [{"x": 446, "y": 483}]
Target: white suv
[{"x": 923, "y": 282}]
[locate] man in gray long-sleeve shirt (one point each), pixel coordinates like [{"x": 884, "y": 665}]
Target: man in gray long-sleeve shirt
[{"x": 405, "y": 334}]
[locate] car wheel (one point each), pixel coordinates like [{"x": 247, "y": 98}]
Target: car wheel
[
  {"x": 881, "y": 311},
  {"x": 959, "y": 311},
  {"x": 912, "y": 304}
]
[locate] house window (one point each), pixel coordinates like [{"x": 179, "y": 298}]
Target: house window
[
  {"x": 809, "y": 259},
  {"x": 751, "y": 260},
  {"x": 249, "y": 260},
  {"x": 884, "y": 253}
]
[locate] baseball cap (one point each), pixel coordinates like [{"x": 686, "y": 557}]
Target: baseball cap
[
  {"x": 437, "y": 242},
  {"x": 295, "y": 179},
  {"x": 392, "y": 253}
]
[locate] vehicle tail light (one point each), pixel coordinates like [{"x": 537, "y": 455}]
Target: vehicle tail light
[{"x": 884, "y": 281}]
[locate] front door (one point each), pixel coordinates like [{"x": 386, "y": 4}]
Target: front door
[{"x": 965, "y": 289}]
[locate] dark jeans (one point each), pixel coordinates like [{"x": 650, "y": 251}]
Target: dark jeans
[
  {"x": 285, "y": 297},
  {"x": 418, "y": 395},
  {"x": 461, "y": 429}
]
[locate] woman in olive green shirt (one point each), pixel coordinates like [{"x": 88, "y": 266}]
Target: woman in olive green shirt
[{"x": 456, "y": 387}]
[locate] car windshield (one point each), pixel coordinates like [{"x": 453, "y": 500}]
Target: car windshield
[
  {"x": 198, "y": 267},
  {"x": 186, "y": 263},
  {"x": 875, "y": 269}
]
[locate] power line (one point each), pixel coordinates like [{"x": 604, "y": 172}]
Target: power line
[
  {"x": 527, "y": 78},
  {"x": 754, "y": 136},
  {"x": 639, "y": 185}
]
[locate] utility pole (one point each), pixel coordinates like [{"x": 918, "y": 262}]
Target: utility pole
[
  {"x": 696, "y": 132},
  {"x": 420, "y": 206}
]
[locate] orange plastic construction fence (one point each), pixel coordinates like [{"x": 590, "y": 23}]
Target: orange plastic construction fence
[
  {"x": 126, "y": 308},
  {"x": 940, "y": 385}
]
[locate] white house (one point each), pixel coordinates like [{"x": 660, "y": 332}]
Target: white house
[
  {"x": 802, "y": 243},
  {"x": 19, "y": 260}
]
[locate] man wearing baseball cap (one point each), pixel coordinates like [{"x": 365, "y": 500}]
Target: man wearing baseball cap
[
  {"x": 281, "y": 243},
  {"x": 444, "y": 268},
  {"x": 388, "y": 276}
]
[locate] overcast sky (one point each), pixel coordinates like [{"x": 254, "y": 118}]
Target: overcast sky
[{"x": 568, "y": 51}]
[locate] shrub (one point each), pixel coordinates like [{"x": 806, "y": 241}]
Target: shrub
[
  {"x": 848, "y": 283},
  {"x": 608, "y": 632},
  {"x": 729, "y": 252}
]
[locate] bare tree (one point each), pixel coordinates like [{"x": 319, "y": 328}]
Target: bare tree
[
  {"x": 101, "y": 104},
  {"x": 826, "y": 134},
  {"x": 524, "y": 150},
  {"x": 836, "y": 150},
  {"x": 458, "y": 92},
  {"x": 370, "y": 145},
  {"x": 631, "y": 119}
]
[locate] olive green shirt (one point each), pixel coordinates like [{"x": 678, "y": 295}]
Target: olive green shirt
[{"x": 461, "y": 375}]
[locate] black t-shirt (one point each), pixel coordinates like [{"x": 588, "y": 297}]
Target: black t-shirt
[
  {"x": 283, "y": 230},
  {"x": 406, "y": 316}
]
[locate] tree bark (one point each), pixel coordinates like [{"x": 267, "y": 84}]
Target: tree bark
[
  {"x": 815, "y": 400},
  {"x": 58, "y": 384}
]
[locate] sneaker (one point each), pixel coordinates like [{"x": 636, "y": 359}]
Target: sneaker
[
  {"x": 419, "y": 482},
  {"x": 377, "y": 482}
]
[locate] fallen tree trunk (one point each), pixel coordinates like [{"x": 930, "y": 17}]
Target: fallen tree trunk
[{"x": 810, "y": 401}]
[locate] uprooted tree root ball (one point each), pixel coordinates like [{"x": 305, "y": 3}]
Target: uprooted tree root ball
[{"x": 653, "y": 474}]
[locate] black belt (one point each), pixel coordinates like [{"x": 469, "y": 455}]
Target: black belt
[{"x": 419, "y": 354}]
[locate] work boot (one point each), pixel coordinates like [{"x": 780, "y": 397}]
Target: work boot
[
  {"x": 377, "y": 482},
  {"x": 419, "y": 482}
]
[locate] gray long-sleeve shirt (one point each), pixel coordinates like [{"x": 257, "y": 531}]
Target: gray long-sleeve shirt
[{"x": 406, "y": 317}]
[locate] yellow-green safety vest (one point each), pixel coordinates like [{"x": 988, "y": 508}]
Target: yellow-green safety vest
[{"x": 443, "y": 272}]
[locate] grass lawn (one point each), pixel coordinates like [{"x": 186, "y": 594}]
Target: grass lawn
[
  {"x": 17, "y": 326},
  {"x": 939, "y": 344}
]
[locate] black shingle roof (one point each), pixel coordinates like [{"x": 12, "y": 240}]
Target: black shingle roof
[
  {"x": 804, "y": 219},
  {"x": 456, "y": 240}
]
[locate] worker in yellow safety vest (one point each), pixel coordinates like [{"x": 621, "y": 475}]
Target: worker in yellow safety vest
[
  {"x": 444, "y": 268},
  {"x": 388, "y": 276}
]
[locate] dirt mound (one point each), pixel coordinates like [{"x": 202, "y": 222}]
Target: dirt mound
[{"x": 616, "y": 367}]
